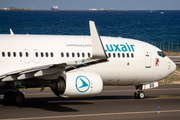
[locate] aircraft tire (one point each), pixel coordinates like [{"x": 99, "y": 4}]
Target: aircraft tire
[
  {"x": 18, "y": 98},
  {"x": 141, "y": 94},
  {"x": 8, "y": 96}
]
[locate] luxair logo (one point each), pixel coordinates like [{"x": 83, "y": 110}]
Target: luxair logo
[
  {"x": 82, "y": 84},
  {"x": 119, "y": 47}
]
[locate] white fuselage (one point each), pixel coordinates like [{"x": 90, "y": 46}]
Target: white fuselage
[{"x": 140, "y": 64}]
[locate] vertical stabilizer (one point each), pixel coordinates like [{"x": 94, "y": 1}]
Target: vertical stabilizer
[{"x": 11, "y": 32}]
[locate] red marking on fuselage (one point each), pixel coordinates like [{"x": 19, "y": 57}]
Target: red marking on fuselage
[{"x": 157, "y": 62}]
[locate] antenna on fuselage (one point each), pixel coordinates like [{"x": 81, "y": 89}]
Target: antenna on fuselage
[{"x": 11, "y": 32}]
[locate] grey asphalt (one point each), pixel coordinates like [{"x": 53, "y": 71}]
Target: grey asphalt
[{"x": 113, "y": 103}]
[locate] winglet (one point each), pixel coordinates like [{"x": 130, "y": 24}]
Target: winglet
[
  {"x": 97, "y": 46},
  {"x": 11, "y": 32}
]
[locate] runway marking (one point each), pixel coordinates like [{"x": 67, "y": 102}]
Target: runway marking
[{"x": 90, "y": 115}]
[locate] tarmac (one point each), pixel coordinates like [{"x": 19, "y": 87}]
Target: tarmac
[{"x": 114, "y": 103}]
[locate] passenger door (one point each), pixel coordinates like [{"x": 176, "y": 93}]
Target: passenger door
[{"x": 147, "y": 57}]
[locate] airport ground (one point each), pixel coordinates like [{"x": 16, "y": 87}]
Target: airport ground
[{"x": 114, "y": 103}]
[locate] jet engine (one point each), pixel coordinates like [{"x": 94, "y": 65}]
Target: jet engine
[{"x": 77, "y": 84}]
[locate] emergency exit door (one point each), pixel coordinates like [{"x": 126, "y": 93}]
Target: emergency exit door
[{"x": 27, "y": 56}]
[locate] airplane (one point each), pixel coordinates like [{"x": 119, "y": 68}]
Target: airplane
[{"x": 78, "y": 66}]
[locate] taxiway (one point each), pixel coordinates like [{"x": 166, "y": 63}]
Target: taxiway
[{"x": 113, "y": 103}]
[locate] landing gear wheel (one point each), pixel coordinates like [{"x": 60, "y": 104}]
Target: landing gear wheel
[
  {"x": 18, "y": 98},
  {"x": 8, "y": 96},
  {"x": 141, "y": 95}
]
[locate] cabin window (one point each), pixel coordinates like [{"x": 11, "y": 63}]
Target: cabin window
[
  {"x": 27, "y": 55},
  {"x": 114, "y": 55},
  {"x": 47, "y": 54},
  {"x": 78, "y": 54},
  {"x": 123, "y": 55},
  {"x": 67, "y": 54},
  {"x": 109, "y": 54},
  {"x": 14, "y": 54},
  {"x": 83, "y": 55},
  {"x": 132, "y": 55},
  {"x": 9, "y": 54},
  {"x": 62, "y": 54},
  {"x": 73, "y": 55},
  {"x": 42, "y": 54},
  {"x": 3, "y": 54},
  {"x": 20, "y": 54},
  {"x": 89, "y": 55},
  {"x": 119, "y": 55},
  {"x": 127, "y": 55},
  {"x": 36, "y": 54},
  {"x": 52, "y": 55}
]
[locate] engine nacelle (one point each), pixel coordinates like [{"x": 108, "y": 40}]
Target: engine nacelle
[{"x": 78, "y": 84}]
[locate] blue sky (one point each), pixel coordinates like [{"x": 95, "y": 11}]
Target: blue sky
[{"x": 86, "y": 4}]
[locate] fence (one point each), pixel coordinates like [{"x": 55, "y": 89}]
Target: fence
[{"x": 167, "y": 46}]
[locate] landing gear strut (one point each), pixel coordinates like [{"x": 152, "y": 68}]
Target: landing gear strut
[
  {"x": 139, "y": 94},
  {"x": 16, "y": 98}
]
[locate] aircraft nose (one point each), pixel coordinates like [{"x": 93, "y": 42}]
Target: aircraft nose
[{"x": 171, "y": 66}]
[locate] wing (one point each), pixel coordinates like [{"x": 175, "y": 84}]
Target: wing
[{"x": 98, "y": 56}]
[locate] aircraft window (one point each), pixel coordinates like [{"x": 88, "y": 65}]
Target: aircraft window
[
  {"x": 20, "y": 54},
  {"x": 119, "y": 55},
  {"x": 67, "y": 54},
  {"x": 47, "y": 54},
  {"x": 73, "y": 54},
  {"x": 9, "y": 54},
  {"x": 123, "y": 55},
  {"x": 132, "y": 55},
  {"x": 52, "y": 54},
  {"x": 114, "y": 55},
  {"x": 42, "y": 54},
  {"x": 27, "y": 54},
  {"x": 109, "y": 54},
  {"x": 36, "y": 54},
  {"x": 83, "y": 55},
  {"x": 127, "y": 55},
  {"x": 160, "y": 53},
  {"x": 89, "y": 55},
  {"x": 3, "y": 54},
  {"x": 14, "y": 54},
  {"x": 78, "y": 54},
  {"x": 62, "y": 54}
]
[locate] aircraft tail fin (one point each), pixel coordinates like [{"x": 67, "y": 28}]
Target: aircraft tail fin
[{"x": 11, "y": 32}]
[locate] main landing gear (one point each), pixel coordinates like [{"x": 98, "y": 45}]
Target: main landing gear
[
  {"x": 139, "y": 94},
  {"x": 12, "y": 97}
]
